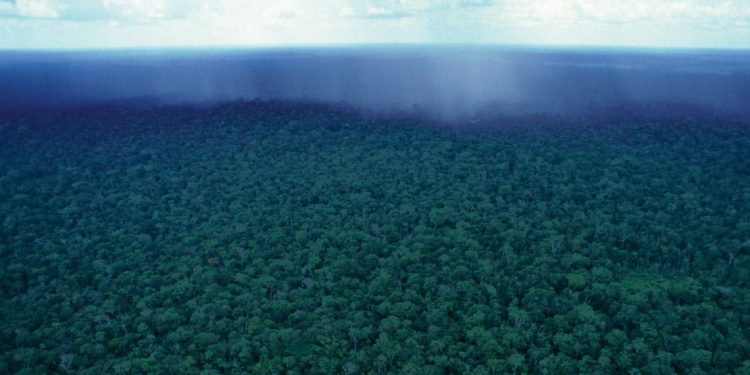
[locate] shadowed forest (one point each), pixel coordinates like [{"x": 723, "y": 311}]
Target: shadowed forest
[{"x": 272, "y": 238}]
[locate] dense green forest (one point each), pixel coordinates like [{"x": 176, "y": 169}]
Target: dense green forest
[{"x": 266, "y": 238}]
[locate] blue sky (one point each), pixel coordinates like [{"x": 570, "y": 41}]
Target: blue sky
[{"x": 134, "y": 23}]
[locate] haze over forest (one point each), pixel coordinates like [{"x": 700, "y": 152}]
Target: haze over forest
[{"x": 448, "y": 82}]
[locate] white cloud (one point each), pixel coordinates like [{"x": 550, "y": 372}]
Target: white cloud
[
  {"x": 474, "y": 3},
  {"x": 375, "y": 9},
  {"x": 625, "y": 11},
  {"x": 88, "y": 10},
  {"x": 35, "y": 9},
  {"x": 282, "y": 11},
  {"x": 379, "y": 9},
  {"x": 184, "y": 22},
  {"x": 137, "y": 9}
]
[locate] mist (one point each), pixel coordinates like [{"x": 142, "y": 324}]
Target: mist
[{"x": 450, "y": 83}]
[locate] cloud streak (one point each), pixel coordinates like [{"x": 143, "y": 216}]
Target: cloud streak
[
  {"x": 628, "y": 11},
  {"x": 388, "y": 9},
  {"x": 93, "y": 10},
  {"x": 475, "y": 3}
]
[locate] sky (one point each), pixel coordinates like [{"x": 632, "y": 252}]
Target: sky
[{"x": 83, "y": 24}]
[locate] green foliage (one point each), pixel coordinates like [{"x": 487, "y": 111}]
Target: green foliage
[{"x": 265, "y": 239}]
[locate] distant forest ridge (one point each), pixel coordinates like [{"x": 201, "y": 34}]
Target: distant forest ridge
[
  {"x": 453, "y": 84},
  {"x": 663, "y": 113}
]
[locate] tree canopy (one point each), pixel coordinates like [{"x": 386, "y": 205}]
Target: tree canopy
[{"x": 264, "y": 238}]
